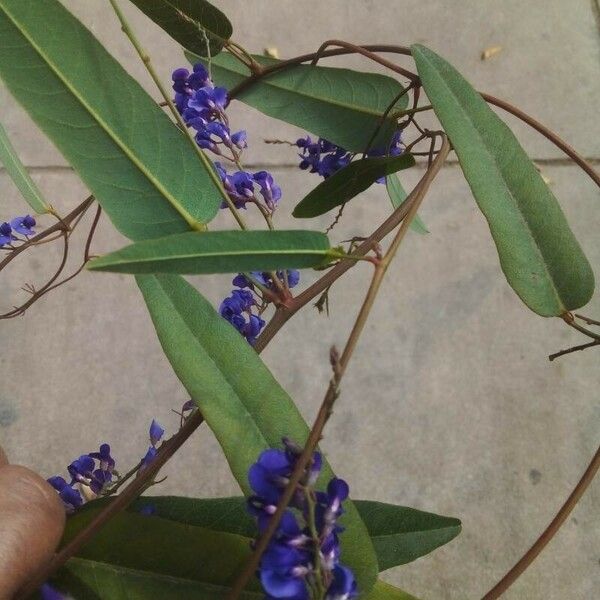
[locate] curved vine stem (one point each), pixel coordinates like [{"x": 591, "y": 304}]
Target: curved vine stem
[
  {"x": 548, "y": 533},
  {"x": 405, "y": 51},
  {"x": 339, "y": 368}
]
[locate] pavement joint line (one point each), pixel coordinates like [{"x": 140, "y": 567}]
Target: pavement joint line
[{"x": 542, "y": 162}]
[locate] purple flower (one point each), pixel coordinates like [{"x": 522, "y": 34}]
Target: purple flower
[
  {"x": 156, "y": 432},
  {"x": 6, "y": 236},
  {"x": 47, "y": 592},
  {"x": 269, "y": 475},
  {"x": 70, "y": 496},
  {"x": 100, "y": 479},
  {"x": 283, "y": 570},
  {"x": 23, "y": 225},
  {"x": 240, "y": 139},
  {"x": 149, "y": 457},
  {"x": 107, "y": 462},
  {"x": 209, "y": 99},
  {"x": 148, "y": 510},
  {"x": 293, "y": 551},
  {"x": 343, "y": 586},
  {"x": 180, "y": 80},
  {"x": 322, "y": 157},
  {"x": 253, "y": 328},
  {"x": 199, "y": 78},
  {"x": 81, "y": 469},
  {"x": 293, "y": 277},
  {"x": 269, "y": 190}
]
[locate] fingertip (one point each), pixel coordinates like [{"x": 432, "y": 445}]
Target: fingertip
[{"x": 32, "y": 520}]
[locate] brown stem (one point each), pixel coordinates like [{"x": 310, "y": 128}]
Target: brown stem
[
  {"x": 283, "y": 314},
  {"x": 548, "y": 533},
  {"x": 403, "y": 50},
  {"x": 61, "y": 225},
  {"x": 121, "y": 502},
  {"x": 574, "y": 349},
  {"x": 588, "y": 320},
  {"x": 332, "y": 393}
]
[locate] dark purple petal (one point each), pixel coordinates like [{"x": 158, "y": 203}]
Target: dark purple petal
[
  {"x": 47, "y": 592},
  {"x": 343, "y": 586},
  {"x": 23, "y": 225},
  {"x": 283, "y": 586},
  {"x": 150, "y": 456},
  {"x": 156, "y": 432}
]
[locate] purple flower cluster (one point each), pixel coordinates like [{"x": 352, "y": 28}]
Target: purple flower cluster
[
  {"x": 242, "y": 308},
  {"x": 202, "y": 107},
  {"x": 93, "y": 473},
  {"x": 22, "y": 225},
  {"x": 296, "y": 561},
  {"x": 325, "y": 157},
  {"x": 237, "y": 309}
]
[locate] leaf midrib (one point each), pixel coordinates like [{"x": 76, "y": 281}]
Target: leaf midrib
[
  {"x": 216, "y": 255},
  {"x": 178, "y": 207},
  {"x": 327, "y": 100},
  {"x": 499, "y": 172},
  {"x": 412, "y": 532}
]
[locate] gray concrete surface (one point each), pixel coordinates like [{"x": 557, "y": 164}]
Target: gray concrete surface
[{"x": 451, "y": 404}]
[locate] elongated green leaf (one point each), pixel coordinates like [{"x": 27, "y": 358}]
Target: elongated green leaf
[
  {"x": 193, "y": 23},
  {"x": 398, "y": 196},
  {"x": 139, "y": 557},
  {"x": 241, "y": 401},
  {"x": 219, "y": 252},
  {"x": 340, "y": 105},
  {"x": 399, "y": 534},
  {"x": 133, "y": 158},
  {"x": 18, "y": 173},
  {"x": 539, "y": 254},
  {"x": 135, "y": 556},
  {"x": 348, "y": 182},
  {"x": 93, "y": 580}
]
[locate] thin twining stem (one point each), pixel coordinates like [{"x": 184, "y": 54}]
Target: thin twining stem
[
  {"x": 284, "y": 313},
  {"x": 403, "y": 50},
  {"x": 118, "y": 504},
  {"x": 62, "y": 225},
  {"x": 579, "y": 348},
  {"x": 548, "y": 533},
  {"x": 206, "y": 163},
  {"x": 340, "y": 365}
]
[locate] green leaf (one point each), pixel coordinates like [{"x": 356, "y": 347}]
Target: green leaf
[
  {"x": 219, "y": 252},
  {"x": 240, "y": 400},
  {"x": 385, "y": 591},
  {"x": 538, "y": 252},
  {"x": 340, "y": 105},
  {"x": 18, "y": 173},
  {"x": 93, "y": 580},
  {"x": 136, "y": 557},
  {"x": 137, "y": 163},
  {"x": 192, "y": 23},
  {"x": 401, "y": 534},
  {"x": 348, "y": 182},
  {"x": 398, "y": 196}
]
